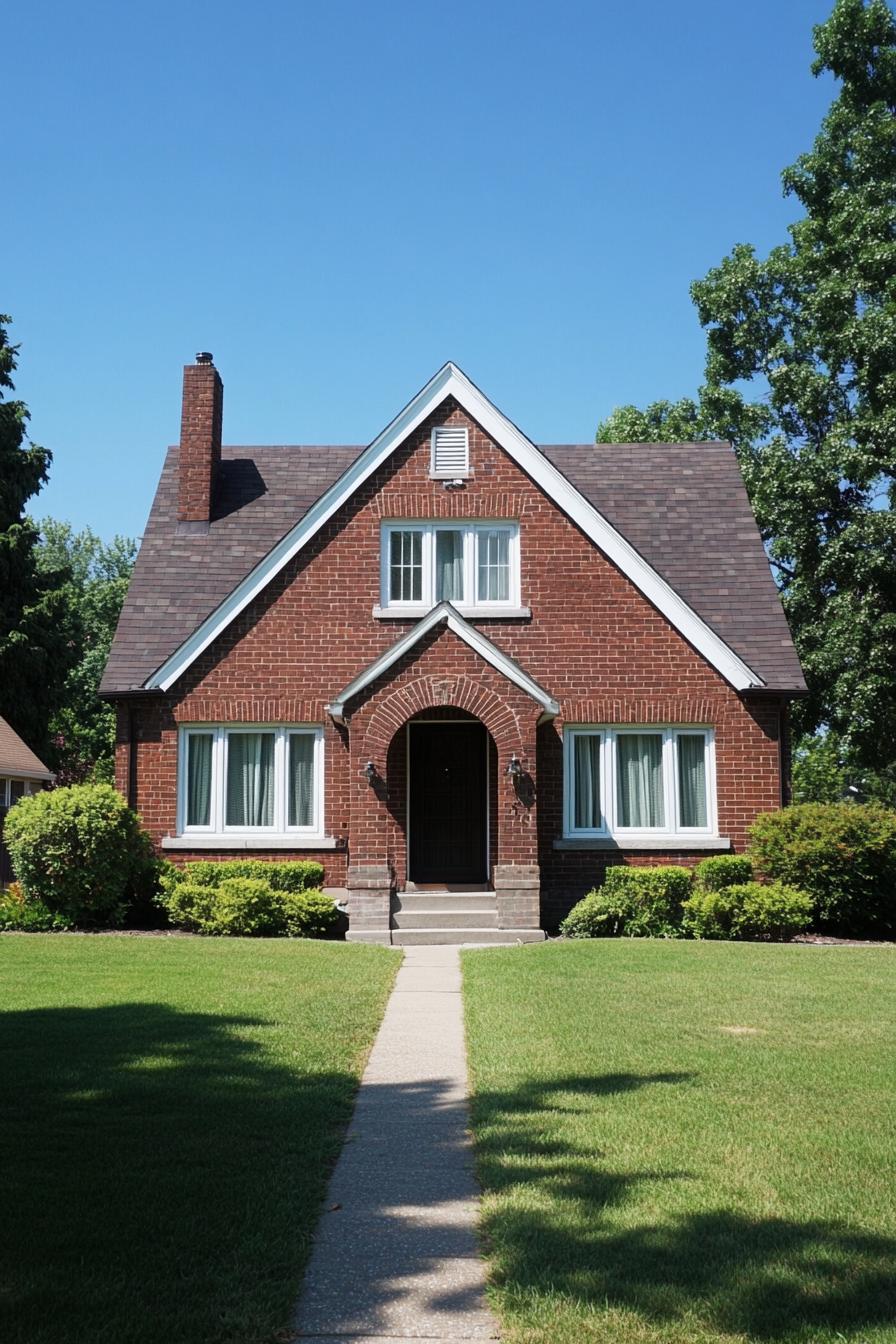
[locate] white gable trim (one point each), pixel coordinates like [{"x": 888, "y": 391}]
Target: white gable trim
[
  {"x": 451, "y": 382},
  {"x": 477, "y": 641}
]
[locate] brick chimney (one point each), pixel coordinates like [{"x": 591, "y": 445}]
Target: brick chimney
[{"x": 200, "y": 443}]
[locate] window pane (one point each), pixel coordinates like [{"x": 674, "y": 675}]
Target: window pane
[
  {"x": 199, "y": 778},
  {"x": 586, "y": 761},
  {"x": 16, "y": 789},
  {"x": 301, "y": 779},
  {"x": 639, "y": 776},
  {"x": 494, "y": 565},
  {"x": 449, "y": 566},
  {"x": 406, "y": 566},
  {"x": 692, "y": 779},
  {"x": 250, "y": 779}
]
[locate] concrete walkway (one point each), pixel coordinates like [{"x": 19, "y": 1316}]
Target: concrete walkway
[{"x": 395, "y": 1254}]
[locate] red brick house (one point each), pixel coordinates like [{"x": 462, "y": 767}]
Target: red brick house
[{"x": 463, "y": 671}]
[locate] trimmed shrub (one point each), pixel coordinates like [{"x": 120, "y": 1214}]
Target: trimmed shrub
[
  {"x": 309, "y": 914},
  {"x": 748, "y": 910},
  {"x": 213, "y": 898},
  {"x": 633, "y": 902},
  {"x": 722, "y": 870},
  {"x": 842, "y": 854},
  {"x": 81, "y": 851},
  {"x": 28, "y": 916},
  {"x": 291, "y": 875}
]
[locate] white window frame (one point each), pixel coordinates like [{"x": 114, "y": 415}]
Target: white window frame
[
  {"x": 220, "y": 732},
  {"x": 610, "y": 826},
  {"x": 458, "y": 474},
  {"x": 472, "y": 530},
  {"x": 29, "y": 786}
]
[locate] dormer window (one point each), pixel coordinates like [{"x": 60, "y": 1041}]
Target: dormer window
[
  {"x": 450, "y": 452},
  {"x": 474, "y": 565}
]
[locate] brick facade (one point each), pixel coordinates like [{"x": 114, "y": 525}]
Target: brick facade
[{"x": 593, "y": 642}]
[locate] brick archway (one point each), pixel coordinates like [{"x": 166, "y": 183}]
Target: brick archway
[{"x": 437, "y": 692}]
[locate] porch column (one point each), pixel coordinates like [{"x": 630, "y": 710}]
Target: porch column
[
  {"x": 516, "y": 875},
  {"x": 369, "y": 879}
]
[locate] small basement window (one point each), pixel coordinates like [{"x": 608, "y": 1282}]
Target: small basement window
[{"x": 450, "y": 451}]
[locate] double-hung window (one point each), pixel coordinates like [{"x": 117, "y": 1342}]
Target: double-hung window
[
  {"x": 264, "y": 779},
  {"x": 474, "y": 565},
  {"x": 637, "y": 782}
]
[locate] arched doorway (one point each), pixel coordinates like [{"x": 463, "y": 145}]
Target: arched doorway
[{"x": 448, "y": 787}]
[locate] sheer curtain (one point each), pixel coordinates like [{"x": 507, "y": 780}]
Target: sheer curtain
[
  {"x": 449, "y": 566},
  {"x": 301, "y": 779},
  {"x": 199, "y": 778},
  {"x": 692, "y": 779},
  {"x": 250, "y": 779},
  {"x": 494, "y": 566},
  {"x": 586, "y": 760},
  {"x": 639, "y": 775}
]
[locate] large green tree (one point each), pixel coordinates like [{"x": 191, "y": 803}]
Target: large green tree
[
  {"x": 810, "y": 332},
  {"x": 83, "y": 726},
  {"x": 37, "y": 638}
]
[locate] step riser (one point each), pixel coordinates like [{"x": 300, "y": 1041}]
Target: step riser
[
  {"x": 409, "y": 901},
  {"x": 443, "y": 937},
  {"x": 445, "y": 919}
]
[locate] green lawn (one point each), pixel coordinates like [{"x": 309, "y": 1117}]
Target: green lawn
[
  {"x": 687, "y": 1142},
  {"x": 169, "y": 1111}
]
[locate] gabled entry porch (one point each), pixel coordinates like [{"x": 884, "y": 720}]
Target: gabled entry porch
[{"x": 443, "y": 834}]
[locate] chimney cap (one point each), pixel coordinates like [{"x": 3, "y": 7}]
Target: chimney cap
[{"x": 203, "y": 357}]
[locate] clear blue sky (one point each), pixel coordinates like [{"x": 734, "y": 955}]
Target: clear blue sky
[{"x": 336, "y": 198}]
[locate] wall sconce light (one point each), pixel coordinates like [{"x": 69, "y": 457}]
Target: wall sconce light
[
  {"x": 515, "y": 768},
  {"x": 370, "y": 772}
]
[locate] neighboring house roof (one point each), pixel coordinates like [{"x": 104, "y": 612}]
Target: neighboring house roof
[
  {"x": 17, "y": 759},
  {"x": 674, "y": 518},
  {"x": 476, "y": 640}
]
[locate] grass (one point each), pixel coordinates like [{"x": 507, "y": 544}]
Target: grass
[
  {"x": 685, "y": 1143},
  {"x": 169, "y": 1112}
]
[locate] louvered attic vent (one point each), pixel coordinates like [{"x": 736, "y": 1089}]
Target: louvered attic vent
[{"x": 450, "y": 451}]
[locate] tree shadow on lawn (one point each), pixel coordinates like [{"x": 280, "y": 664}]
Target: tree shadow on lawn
[
  {"x": 765, "y": 1278},
  {"x": 160, "y": 1175}
]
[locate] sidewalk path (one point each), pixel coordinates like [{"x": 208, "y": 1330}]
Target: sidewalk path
[{"x": 395, "y": 1255}]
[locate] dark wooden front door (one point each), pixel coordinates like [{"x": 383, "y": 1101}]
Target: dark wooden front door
[{"x": 447, "y": 793}]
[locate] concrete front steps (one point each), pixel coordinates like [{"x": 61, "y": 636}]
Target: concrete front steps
[{"x": 441, "y": 916}]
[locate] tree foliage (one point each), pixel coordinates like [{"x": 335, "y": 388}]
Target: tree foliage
[
  {"x": 83, "y": 726},
  {"x": 37, "y": 641},
  {"x": 811, "y": 331}
]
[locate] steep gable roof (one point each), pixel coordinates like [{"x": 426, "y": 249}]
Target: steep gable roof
[{"x": 448, "y": 382}]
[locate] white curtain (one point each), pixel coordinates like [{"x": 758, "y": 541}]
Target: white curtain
[
  {"x": 494, "y": 566},
  {"x": 639, "y": 775},
  {"x": 449, "y": 566},
  {"x": 587, "y": 781},
  {"x": 301, "y": 779},
  {"x": 692, "y": 779},
  {"x": 199, "y": 778},
  {"x": 250, "y": 779}
]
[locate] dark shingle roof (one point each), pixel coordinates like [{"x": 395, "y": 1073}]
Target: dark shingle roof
[{"x": 682, "y": 506}]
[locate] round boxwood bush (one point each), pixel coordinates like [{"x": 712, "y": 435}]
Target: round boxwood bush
[
  {"x": 748, "y": 910},
  {"x": 842, "y": 854},
  {"x": 634, "y": 903},
  {"x": 81, "y": 851},
  {"x": 723, "y": 870}
]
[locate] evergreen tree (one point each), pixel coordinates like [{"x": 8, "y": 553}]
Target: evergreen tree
[{"x": 37, "y": 637}]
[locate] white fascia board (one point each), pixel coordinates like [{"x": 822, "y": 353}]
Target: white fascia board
[
  {"x": 478, "y": 642},
  {"x": 451, "y": 382}
]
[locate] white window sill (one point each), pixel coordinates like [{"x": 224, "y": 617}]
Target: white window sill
[
  {"x": 471, "y": 613},
  {"x": 663, "y": 843},
  {"x": 202, "y": 840}
]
